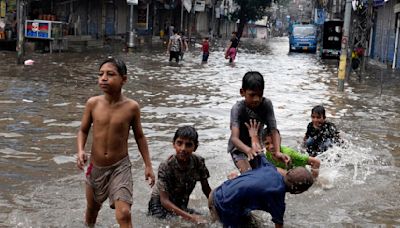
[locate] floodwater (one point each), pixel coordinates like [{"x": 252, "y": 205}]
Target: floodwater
[{"x": 41, "y": 108}]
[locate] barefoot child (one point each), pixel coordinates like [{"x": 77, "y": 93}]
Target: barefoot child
[
  {"x": 109, "y": 173},
  {"x": 262, "y": 189},
  {"x": 205, "y": 48},
  {"x": 253, "y": 106},
  {"x": 177, "y": 177},
  {"x": 231, "y": 49},
  {"x": 297, "y": 159},
  {"x": 321, "y": 134}
]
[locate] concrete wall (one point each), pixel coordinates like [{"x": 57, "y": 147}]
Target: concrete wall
[{"x": 383, "y": 40}]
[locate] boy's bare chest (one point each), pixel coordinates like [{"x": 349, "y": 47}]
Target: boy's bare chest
[{"x": 112, "y": 116}]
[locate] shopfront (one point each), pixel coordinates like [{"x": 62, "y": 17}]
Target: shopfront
[
  {"x": 43, "y": 28},
  {"x": 8, "y": 24}
]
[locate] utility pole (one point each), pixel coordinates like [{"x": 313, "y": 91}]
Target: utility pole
[
  {"x": 213, "y": 2},
  {"x": 20, "y": 32},
  {"x": 345, "y": 41},
  {"x": 181, "y": 27}
]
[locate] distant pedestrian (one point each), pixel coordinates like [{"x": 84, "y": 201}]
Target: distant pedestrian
[
  {"x": 205, "y": 48},
  {"x": 231, "y": 49},
  {"x": 174, "y": 46}
]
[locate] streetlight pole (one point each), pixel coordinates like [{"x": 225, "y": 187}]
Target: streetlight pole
[{"x": 343, "y": 52}]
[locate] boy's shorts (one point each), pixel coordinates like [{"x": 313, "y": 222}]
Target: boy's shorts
[
  {"x": 238, "y": 155},
  {"x": 114, "y": 182}
]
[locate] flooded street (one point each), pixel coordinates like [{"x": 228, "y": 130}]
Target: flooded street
[{"x": 41, "y": 108}]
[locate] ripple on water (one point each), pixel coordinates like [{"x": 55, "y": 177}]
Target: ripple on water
[
  {"x": 10, "y": 135},
  {"x": 7, "y": 102},
  {"x": 61, "y": 159},
  {"x": 62, "y": 135},
  {"x": 11, "y": 153},
  {"x": 61, "y": 104},
  {"x": 70, "y": 124}
]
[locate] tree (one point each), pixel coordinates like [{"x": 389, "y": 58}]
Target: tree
[{"x": 249, "y": 10}]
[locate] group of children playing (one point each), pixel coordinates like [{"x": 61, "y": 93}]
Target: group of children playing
[{"x": 267, "y": 169}]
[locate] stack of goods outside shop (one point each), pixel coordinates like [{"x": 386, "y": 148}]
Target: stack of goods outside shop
[{"x": 8, "y": 24}]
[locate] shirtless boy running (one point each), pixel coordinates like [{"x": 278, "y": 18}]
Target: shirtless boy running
[{"x": 109, "y": 173}]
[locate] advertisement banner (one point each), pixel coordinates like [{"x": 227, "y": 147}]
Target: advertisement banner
[
  {"x": 38, "y": 29},
  {"x": 319, "y": 16},
  {"x": 2, "y": 8}
]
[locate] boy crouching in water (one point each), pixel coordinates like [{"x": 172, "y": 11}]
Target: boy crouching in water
[
  {"x": 109, "y": 173},
  {"x": 177, "y": 177}
]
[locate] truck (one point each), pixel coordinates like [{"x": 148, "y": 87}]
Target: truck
[{"x": 303, "y": 37}]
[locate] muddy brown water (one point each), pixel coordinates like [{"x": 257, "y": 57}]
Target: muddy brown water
[{"x": 41, "y": 107}]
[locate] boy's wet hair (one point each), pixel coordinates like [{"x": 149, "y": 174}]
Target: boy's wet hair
[
  {"x": 253, "y": 80},
  {"x": 266, "y": 132},
  {"x": 299, "y": 180},
  {"x": 319, "y": 109},
  {"x": 119, "y": 64},
  {"x": 187, "y": 132}
]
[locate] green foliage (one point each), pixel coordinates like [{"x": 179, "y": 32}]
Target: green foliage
[{"x": 250, "y": 10}]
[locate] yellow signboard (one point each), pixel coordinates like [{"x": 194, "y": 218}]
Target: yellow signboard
[{"x": 2, "y": 8}]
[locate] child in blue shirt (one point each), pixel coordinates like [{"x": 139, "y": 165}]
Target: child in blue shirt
[{"x": 263, "y": 189}]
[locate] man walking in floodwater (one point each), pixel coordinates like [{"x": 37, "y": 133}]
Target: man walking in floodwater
[{"x": 109, "y": 173}]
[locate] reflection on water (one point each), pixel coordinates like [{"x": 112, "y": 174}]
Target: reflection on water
[{"x": 41, "y": 107}]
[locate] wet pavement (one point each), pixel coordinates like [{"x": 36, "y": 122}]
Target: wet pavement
[{"x": 41, "y": 107}]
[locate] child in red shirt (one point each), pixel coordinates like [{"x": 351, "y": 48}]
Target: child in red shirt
[{"x": 205, "y": 49}]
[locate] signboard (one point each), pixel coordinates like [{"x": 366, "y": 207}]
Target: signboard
[
  {"x": 200, "y": 6},
  {"x": 39, "y": 29},
  {"x": 132, "y": 2},
  {"x": 2, "y": 8},
  {"x": 378, "y": 3},
  {"x": 397, "y": 8},
  {"x": 319, "y": 16}
]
